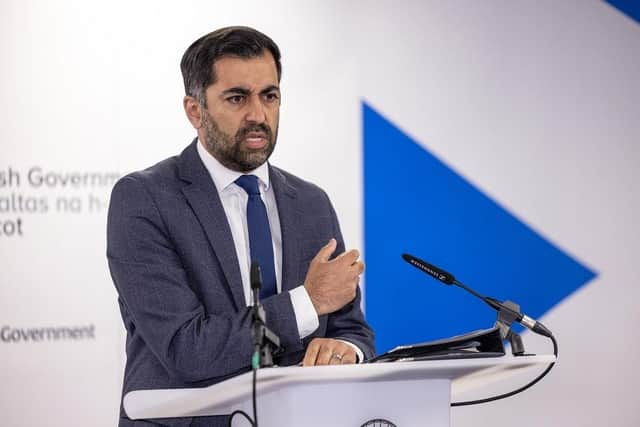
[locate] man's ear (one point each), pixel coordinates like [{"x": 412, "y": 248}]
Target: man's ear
[{"x": 192, "y": 109}]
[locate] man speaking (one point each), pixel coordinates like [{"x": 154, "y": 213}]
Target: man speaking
[{"x": 182, "y": 235}]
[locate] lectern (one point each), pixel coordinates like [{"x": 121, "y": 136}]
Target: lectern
[{"x": 403, "y": 393}]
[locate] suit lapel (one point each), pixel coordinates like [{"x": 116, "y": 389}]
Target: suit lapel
[
  {"x": 203, "y": 198},
  {"x": 289, "y": 216}
]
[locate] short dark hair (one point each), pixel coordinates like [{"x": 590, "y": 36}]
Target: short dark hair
[{"x": 198, "y": 60}]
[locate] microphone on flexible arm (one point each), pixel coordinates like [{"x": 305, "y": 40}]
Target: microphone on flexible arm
[
  {"x": 255, "y": 278},
  {"x": 257, "y": 320},
  {"x": 257, "y": 337},
  {"x": 448, "y": 279},
  {"x": 507, "y": 313},
  {"x": 266, "y": 343}
]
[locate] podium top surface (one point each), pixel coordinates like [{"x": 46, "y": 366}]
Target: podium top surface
[{"x": 219, "y": 398}]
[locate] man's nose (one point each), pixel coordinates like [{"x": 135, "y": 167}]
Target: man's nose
[{"x": 256, "y": 111}]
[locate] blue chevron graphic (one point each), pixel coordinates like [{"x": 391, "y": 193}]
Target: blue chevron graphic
[
  {"x": 414, "y": 203},
  {"x": 631, "y": 8}
]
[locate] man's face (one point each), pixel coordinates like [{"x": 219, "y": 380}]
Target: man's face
[{"x": 240, "y": 123}]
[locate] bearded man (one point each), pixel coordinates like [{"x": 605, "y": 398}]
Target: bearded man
[{"x": 183, "y": 233}]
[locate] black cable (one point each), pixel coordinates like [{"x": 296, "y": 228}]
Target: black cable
[
  {"x": 255, "y": 410},
  {"x": 253, "y": 422},
  {"x": 239, "y": 412},
  {"x": 521, "y": 389}
]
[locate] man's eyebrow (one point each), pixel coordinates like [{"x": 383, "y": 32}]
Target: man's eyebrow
[
  {"x": 270, "y": 88},
  {"x": 236, "y": 90}
]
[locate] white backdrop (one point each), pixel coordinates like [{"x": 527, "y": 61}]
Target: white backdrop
[{"x": 533, "y": 102}]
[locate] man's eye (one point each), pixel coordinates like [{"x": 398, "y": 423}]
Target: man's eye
[
  {"x": 236, "y": 99},
  {"x": 271, "y": 97}
]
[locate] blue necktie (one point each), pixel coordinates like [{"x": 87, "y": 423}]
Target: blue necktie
[{"x": 260, "y": 243}]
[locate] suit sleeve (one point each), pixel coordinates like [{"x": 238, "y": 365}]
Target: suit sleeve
[
  {"x": 348, "y": 323},
  {"x": 164, "y": 310}
]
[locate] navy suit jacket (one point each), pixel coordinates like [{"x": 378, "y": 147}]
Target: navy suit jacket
[{"x": 172, "y": 259}]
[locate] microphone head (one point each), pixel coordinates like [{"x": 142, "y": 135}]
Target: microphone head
[
  {"x": 255, "y": 276},
  {"x": 431, "y": 270}
]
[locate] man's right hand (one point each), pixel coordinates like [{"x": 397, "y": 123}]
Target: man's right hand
[{"x": 332, "y": 284}]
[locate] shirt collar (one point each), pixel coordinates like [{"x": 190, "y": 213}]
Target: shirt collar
[{"x": 224, "y": 177}]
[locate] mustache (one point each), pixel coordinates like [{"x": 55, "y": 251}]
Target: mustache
[{"x": 258, "y": 127}]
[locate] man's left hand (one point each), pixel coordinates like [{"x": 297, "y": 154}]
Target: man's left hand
[{"x": 328, "y": 351}]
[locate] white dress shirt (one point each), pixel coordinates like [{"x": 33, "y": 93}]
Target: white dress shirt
[{"x": 234, "y": 201}]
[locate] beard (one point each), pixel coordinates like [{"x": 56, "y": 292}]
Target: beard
[{"x": 229, "y": 150}]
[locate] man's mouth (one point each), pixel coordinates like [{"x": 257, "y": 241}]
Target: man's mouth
[{"x": 255, "y": 140}]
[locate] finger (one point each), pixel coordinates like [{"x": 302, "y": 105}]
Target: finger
[
  {"x": 349, "y": 355},
  {"x": 336, "y": 359},
  {"x": 338, "y": 351},
  {"x": 311, "y": 354},
  {"x": 348, "y": 258},
  {"x": 326, "y": 251},
  {"x": 357, "y": 267},
  {"x": 349, "y": 358},
  {"x": 354, "y": 272},
  {"x": 324, "y": 355}
]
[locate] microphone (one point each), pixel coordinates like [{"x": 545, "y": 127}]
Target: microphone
[
  {"x": 449, "y": 279},
  {"x": 430, "y": 269},
  {"x": 265, "y": 342},
  {"x": 255, "y": 278},
  {"x": 257, "y": 318}
]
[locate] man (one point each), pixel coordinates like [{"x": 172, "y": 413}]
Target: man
[{"x": 182, "y": 235}]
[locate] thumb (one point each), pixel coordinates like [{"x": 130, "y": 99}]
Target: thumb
[{"x": 326, "y": 251}]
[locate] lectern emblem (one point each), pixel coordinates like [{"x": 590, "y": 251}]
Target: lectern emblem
[{"x": 378, "y": 422}]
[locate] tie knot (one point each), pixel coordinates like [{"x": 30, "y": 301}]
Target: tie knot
[{"x": 249, "y": 183}]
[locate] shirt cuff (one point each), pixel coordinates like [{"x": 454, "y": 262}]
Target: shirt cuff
[
  {"x": 306, "y": 316},
  {"x": 359, "y": 352}
]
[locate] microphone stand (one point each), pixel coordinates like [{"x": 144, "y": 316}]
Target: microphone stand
[
  {"x": 503, "y": 323},
  {"x": 265, "y": 341},
  {"x": 508, "y": 312}
]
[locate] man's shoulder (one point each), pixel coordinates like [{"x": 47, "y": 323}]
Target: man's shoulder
[
  {"x": 163, "y": 172},
  {"x": 163, "y": 176},
  {"x": 296, "y": 183}
]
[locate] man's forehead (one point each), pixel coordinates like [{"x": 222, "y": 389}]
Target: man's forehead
[{"x": 250, "y": 73}]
